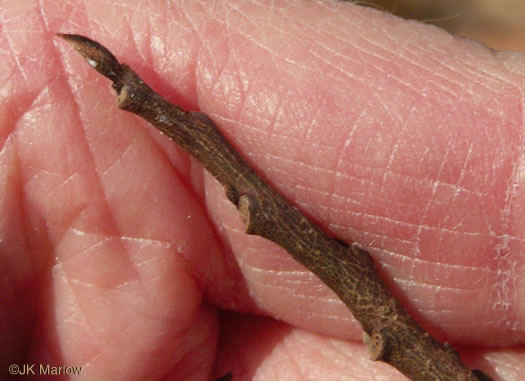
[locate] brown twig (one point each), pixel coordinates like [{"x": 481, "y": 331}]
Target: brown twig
[{"x": 390, "y": 334}]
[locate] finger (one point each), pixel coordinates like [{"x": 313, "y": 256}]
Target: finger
[
  {"x": 116, "y": 216},
  {"x": 329, "y": 165},
  {"x": 256, "y": 348},
  {"x": 389, "y": 133}
]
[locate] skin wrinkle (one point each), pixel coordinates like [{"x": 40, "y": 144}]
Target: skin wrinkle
[
  {"x": 139, "y": 240},
  {"x": 408, "y": 224},
  {"x": 300, "y": 297},
  {"x": 417, "y": 250},
  {"x": 455, "y": 233},
  {"x": 69, "y": 179},
  {"x": 103, "y": 349},
  {"x": 36, "y": 175},
  {"x": 231, "y": 6},
  {"x": 101, "y": 242},
  {"x": 22, "y": 243},
  {"x": 468, "y": 74},
  {"x": 306, "y": 166},
  {"x": 142, "y": 240},
  {"x": 199, "y": 69},
  {"x": 19, "y": 65},
  {"x": 182, "y": 171},
  {"x": 386, "y": 75},
  {"x": 76, "y": 310},
  {"x": 507, "y": 271},
  {"x": 117, "y": 304},
  {"x": 134, "y": 36},
  {"x": 65, "y": 227},
  {"x": 425, "y": 212},
  {"x": 195, "y": 33},
  {"x": 272, "y": 121},
  {"x": 475, "y": 73},
  {"x": 416, "y": 260},
  {"x": 41, "y": 12},
  {"x": 435, "y": 184},
  {"x": 220, "y": 71},
  {"x": 118, "y": 160},
  {"x": 274, "y": 58},
  {"x": 413, "y": 283},
  {"x": 45, "y": 171},
  {"x": 236, "y": 101},
  {"x": 114, "y": 222},
  {"x": 16, "y": 114},
  {"x": 93, "y": 164},
  {"x": 285, "y": 351},
  {"x": 266, "y": 285},
  {"x": 393, "y": 116},
  {"x": 347, "y": 75},
  {"x": 431, "y": 75},
  {"x": 77, "y": 281},
  {"x": 189, "y": 350},
  {"x": 110, "y": 290},
  {"x": 147, "y": 48},
  {"x": 349, "y": 138}
]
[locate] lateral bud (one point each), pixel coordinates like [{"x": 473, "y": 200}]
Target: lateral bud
[
  {"x": 375, "y": 344},
  {"x": 243, "y": 205}
]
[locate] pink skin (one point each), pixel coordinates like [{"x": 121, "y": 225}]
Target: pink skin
[{"x": 117, "y": 249}]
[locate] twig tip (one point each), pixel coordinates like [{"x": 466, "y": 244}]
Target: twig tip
[{"x": 100, "y": 58}]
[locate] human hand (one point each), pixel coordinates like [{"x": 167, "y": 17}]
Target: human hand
[{"x": 119, "y": 249}]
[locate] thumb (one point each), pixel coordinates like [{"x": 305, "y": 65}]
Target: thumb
[{"x": 390, "y": 133}]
